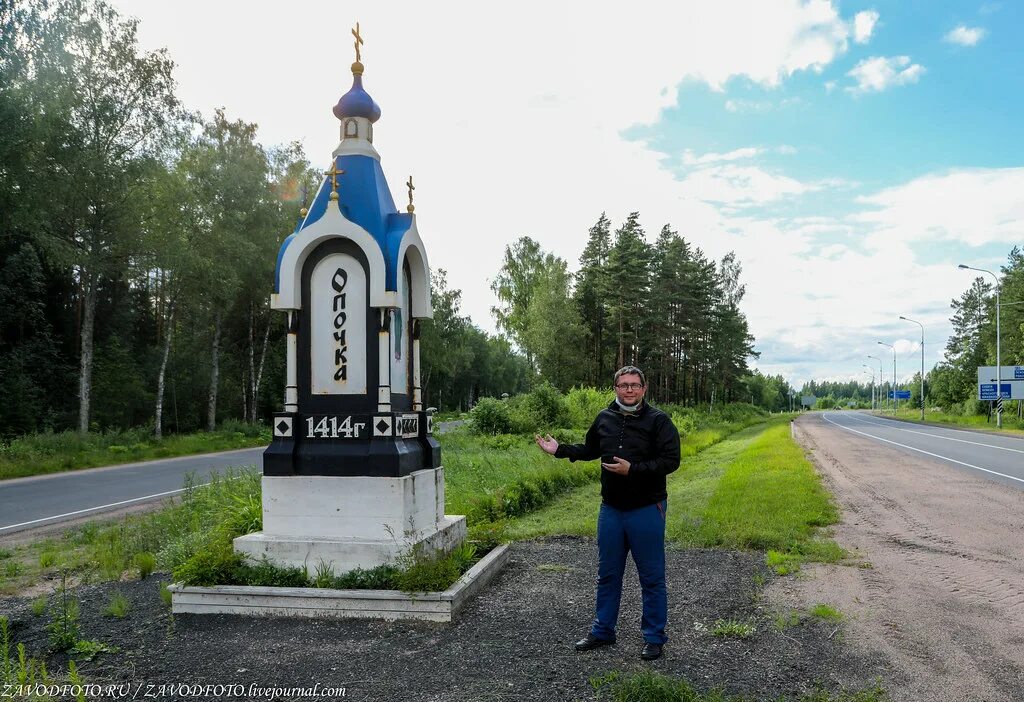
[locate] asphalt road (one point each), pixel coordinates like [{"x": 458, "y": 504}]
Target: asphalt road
[
  {"x": 59, "y": 498},
  {"x": 998, "y": 457}
]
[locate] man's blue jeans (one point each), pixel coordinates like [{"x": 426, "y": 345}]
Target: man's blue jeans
[{"x": 642, "y": 532}]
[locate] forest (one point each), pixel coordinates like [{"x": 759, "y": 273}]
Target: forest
[{"x": 138, "y": 240}]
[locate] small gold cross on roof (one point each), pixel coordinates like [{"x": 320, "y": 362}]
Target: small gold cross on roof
[
  {"x": 359, "y": 40},
  {"x": 334, "y": 173},
  {"x": 411, "y": 187}
]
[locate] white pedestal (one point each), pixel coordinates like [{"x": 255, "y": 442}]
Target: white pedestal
[{"x": 352, "y": 522}]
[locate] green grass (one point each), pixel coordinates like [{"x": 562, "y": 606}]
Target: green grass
[
  {"x": 754, "y": 489},
  {"x": 489, "y": 478},
  {"x": 117, "y": 607},
  {"x": 733, "y": 629},
  {"x": 785, "y": 620},
  {"x": 137, "y": 545},
  {"x": 768, "y": 497},
  {"x": 651, "y": 686},
  {"x": 51, "y": 452},
  {"x": 827, "y": 613}
]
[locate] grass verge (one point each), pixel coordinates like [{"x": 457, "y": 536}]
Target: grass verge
[
  {"x": 493, "y": 479},
  {"x": 50, "y": 452},
  {"x": 755, "y": 489}
]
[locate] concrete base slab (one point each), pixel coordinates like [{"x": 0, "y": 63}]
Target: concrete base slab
[
  {"x": 345, "y": 553},
  {"x": 339, "y": 604}
]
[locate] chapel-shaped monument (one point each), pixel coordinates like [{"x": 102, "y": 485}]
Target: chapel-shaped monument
[{"x": 353, "y": 477}]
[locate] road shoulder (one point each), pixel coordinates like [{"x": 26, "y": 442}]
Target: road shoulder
[{"x": 940, "y": 592}]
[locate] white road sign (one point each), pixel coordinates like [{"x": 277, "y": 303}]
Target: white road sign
[{"x": 1011, "y": 383}]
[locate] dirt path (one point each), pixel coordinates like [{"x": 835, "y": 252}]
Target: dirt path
[{"x": 943, "y": 593}]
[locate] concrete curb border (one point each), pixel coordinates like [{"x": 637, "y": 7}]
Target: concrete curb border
[{"x": 312, "y": 602}]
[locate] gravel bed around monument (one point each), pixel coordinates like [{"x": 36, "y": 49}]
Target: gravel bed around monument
[{"x": 514, "y": 641}]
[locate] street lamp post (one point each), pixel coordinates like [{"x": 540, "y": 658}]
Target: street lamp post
[
  {"x": 999, "y": 360},
  {"x": 908, "y": 319},
  {"x": 895, "y": 402},
  {"x": 879, "y": 378},
  {"x": 872, "y": 373}
]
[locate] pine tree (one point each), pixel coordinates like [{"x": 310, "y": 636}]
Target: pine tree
[
  {"x": 965, "y": 349},
  {"x": 626, "y": 287},
  {"x": 590, "y": 282}
]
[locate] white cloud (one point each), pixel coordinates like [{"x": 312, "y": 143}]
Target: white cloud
[
  {"x": 505, "y": 141},
  {"x": 973, "y": 207},
  {"x": 741, "y": 185},
  {"x": 877, "y": 73},
  {"x": 863, "y": 25},
  {"x": 965, "y": 36},
  {"x": 495, "y": 111},
  {"x": 692, "y": 159}
]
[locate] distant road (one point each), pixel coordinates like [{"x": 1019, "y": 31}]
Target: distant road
[
  {"x": 998, "y": 457},
  {"x": 59, "y": 498}
]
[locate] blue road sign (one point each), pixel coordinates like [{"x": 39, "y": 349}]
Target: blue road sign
[
  {"x": 902, "y": 395},
  {"x": 987, "y": 391}
]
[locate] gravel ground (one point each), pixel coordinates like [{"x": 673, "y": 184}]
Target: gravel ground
[{"x": 513, "y": 642}]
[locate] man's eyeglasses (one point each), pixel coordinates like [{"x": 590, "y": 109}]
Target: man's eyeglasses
[{"x": 629, "y": 386}]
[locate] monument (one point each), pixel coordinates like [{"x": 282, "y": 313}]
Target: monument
[{"x": 353, "y": 477}]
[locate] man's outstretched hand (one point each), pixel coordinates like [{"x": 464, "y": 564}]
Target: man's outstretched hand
[{"x": 546, "y": 443}]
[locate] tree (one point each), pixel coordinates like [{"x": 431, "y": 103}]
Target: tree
[
  {"x": 588, "y": 297},
  {"x": 965, "y": 350},
  {"x": 555, "y": 333},
  {"x": 112, "y": 110},
  {"x": 626, "y": 287},
  {"x": 734, "y": 343},
  {"x": 525, "y": 263}
]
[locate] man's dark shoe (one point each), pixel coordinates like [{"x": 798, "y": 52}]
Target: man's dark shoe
[
  {"x": 591, "y": 642},
  {"x": 651, "y": 652}
]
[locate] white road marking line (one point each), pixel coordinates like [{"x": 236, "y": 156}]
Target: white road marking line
[
  {"x": 927, "y": 453},
  {"x": 936, "y": 436},
  {"x": 93, "y": 509},
  {"x": 958, "y": 431}
]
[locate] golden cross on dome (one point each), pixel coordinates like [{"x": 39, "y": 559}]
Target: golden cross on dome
[
  {"x": 334, "y": 173},
  {"x": 359, "y": 40},
  {"x": 411, "y": 187}
]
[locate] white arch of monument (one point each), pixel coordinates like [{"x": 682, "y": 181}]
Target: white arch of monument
[
  {"x": 419, "y": 270},
  {"x": 331, "y": 226}
]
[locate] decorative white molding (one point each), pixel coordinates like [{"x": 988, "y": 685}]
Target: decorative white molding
[
  {"x": 359, "y": 145},
  {"x": 419, "y": 270},
  {"x": 332, "y": 225}
]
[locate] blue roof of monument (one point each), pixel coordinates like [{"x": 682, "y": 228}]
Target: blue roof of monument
[
  {"x": 364, "y": 198},
  {"x": 357, "y": 102}
]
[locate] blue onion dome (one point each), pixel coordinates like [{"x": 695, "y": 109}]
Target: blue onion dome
[{"x": 357, "y": 102}]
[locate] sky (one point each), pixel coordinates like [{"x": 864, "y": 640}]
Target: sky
[{"x": 850, "y": 153}]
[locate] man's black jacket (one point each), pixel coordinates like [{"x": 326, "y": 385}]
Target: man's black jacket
[{"x": 647, "y": 439}]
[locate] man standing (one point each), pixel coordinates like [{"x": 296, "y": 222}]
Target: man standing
[{"x": 638, "y": 446}]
